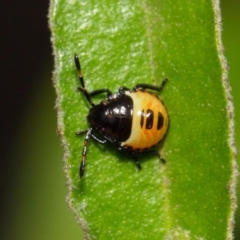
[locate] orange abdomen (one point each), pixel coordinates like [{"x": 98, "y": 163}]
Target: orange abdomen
[{"x": 149, "y": 121}]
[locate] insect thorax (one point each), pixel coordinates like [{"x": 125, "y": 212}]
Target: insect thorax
[{"x": 113, "y": 118}]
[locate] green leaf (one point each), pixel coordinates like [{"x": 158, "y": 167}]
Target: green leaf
[{"x": 123, "y": 43}]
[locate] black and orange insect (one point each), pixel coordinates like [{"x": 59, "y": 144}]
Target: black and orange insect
[{"x": 135, "y": 120}]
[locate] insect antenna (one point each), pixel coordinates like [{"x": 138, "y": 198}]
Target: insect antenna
[
  {"x": 81, "y": 79},
  {"x": 84, "y": 151}
]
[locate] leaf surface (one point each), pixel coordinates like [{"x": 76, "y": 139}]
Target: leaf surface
[{"x": 123, "y": 43}]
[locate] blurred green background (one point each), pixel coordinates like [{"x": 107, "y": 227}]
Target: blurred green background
[{"x": 32, "y": 183}]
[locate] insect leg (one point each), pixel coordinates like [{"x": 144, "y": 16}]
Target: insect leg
[
  {"x": 122, "y": 90},
  {"x": 160, "y": 157},
  {"x": 81, "y": 79},
  {"x": 93, "y": 135},
  {"x": 99, "y": 91},
  {"x": 148, "y": 86},
  {"x": 137, "y": 162},
  {"x": 154, "y": 151},
  {"x": 81, "y": 132}
]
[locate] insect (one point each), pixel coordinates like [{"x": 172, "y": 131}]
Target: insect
[{"x": 135, "y": 120}]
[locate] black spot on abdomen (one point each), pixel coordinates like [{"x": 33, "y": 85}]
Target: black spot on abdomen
[
  {"x": 149, "y": 118},
  {"x": 160, "y": 121}
]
